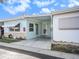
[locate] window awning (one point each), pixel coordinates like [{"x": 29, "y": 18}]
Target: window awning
[{"x": 10, "y": 25}]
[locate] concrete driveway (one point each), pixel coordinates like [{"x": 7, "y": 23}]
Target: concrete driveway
[
  {"x": 43, "y": 43},
  {"x": 5, "y": 54},
  {"x": 10, "y": 53}
]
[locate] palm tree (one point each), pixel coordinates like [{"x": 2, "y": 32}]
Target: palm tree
[{"x": 1, "y": 1}]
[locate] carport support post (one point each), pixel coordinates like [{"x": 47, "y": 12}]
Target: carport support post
[
  {"x": 51, "y": 30},
  {"x": 14, "y": 33}
]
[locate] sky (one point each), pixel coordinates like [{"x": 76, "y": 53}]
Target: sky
[{"x": 14, "y": 8}]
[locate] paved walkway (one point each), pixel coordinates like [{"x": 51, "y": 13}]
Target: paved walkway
[
  {"x": 42, "y": 51},
  {"x": 36, "y": 42}
]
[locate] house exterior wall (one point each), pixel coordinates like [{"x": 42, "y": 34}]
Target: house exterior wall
[
  {"x": 47, "y": 25},
  {"x": 65, "y": 35},
  {"x": 24, "y": 23},
  {"x": 32, "y": 34},
  {"x": 40, "y": 23},
  {"x": 20, "y": 33}
]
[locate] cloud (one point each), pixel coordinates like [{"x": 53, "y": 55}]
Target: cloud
[
  {"x": 73, "y": 3},
  {"x": 45, "y": 10},
  {"x": 43, "y": 3},
  {"x": 56, "y": 4},
  {"x": 21, "y": 7},
  {"x": 62, "y": 5},
  {"x": 52, "y": 9},
  {"x": 10, "y": 10},
  {"x": 15, "y": 6}
]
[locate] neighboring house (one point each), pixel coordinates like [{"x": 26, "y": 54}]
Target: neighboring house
[
  {"x": 66, "y": 25},
  {"x": 27, "y": 27}
]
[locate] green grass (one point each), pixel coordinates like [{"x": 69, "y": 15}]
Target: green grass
[{"x": 8, "y": 40}]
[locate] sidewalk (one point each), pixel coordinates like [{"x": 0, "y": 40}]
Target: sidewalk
[{"x": 42, "y": 51}]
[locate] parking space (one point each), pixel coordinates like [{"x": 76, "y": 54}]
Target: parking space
[{"x": 40, "y": 42}]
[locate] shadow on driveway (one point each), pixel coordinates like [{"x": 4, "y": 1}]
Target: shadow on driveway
[{"x": 41, "y": 56}]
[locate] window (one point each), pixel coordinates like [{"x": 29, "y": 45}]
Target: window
[
  {"x": 70, "y": 23},
  {"x": 11, "y": 29},
  {"x": 31, "y": 27},
  {"x": 15, "y": 28}
]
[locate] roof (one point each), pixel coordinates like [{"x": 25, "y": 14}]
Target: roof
[
  {"x": 24, "y": 17},
  {"x": 68, "y": 10}
]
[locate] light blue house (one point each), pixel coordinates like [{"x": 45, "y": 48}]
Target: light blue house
[{"x": 27, "y": 27}]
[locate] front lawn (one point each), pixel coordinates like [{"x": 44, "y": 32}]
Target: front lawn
[{"x": 9, "y": 40}]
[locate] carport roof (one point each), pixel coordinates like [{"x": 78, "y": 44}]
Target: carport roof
[
  {"x": 68, "y": 10},
  {"x": 43, "y": 16}
]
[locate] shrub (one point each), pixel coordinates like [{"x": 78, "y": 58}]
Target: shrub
[
  {"x": 10, "y": 36},
  {"x": 65, "y": 48},
  {"x": 20, "y": 38}
]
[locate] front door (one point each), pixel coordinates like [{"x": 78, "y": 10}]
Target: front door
[
  {"x": 44, "y": 29},
  {"x": 37, "y": 29}
]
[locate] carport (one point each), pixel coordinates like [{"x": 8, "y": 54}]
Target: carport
[{"x": 38, "y": 32}]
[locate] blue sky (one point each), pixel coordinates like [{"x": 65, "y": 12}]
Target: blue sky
[{"x": 14, "y": 8}]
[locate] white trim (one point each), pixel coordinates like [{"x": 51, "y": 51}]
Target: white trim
[
  {"x": 23, "y": 17},
  {"x": 10, "y": 25}
]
